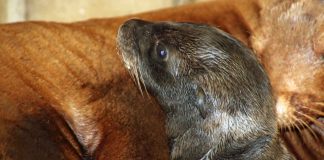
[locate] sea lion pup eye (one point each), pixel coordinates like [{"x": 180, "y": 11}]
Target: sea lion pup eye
[
  {"x": 215, "y": 93},
  {"x": 161, "y": 52}
]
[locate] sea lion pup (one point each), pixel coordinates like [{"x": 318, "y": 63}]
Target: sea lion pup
[{"x": 215, "y": 93}]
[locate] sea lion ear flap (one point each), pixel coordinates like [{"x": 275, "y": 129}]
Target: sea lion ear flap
[{"x": 200, "y": 102}]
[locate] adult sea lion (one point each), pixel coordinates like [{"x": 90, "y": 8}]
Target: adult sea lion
[{"x": 216, "y": 95}]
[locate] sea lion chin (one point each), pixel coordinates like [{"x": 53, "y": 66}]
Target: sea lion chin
[{"x": 215, "y": 93}]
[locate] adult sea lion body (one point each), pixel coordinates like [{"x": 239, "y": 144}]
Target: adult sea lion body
[
  {"x": 57, "y": 103},
  {"x": 216, "y": 96}
]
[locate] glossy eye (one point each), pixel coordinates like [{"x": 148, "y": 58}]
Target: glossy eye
[{"x": 161, "y": 51}]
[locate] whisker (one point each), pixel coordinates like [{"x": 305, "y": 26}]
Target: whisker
[
  {"x": 142, "y": 80},
  {"x": 134, "y": 70},
  {"x": 311, "y": 119},
  {"x": 132, "y": 75},
  {"x": 290, "y": 126},
  {"x": 118, "y": 52},
  {"x": 308, "y": 127},
  {"x": 138, "y": 82},
  {"x": 284, "y": 128},
  {"x": 321, "y": 104},
  {"x": 296, "y": 125},
  {"x": 135, "y": 78},
  {"x": 292, "y": 123},
  {"x": 280, "y": 126},
  {"x": 319, "y": 112},
  {"x": 129, "y": 70},
  {"x": 137, "y": 75},
  {"x": 318, "y": 129}
]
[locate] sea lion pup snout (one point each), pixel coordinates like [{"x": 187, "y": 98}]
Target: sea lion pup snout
[{"x": 215, "y": 93}]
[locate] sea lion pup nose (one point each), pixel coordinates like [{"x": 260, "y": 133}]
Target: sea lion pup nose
[{"x": 215, "y": 93}]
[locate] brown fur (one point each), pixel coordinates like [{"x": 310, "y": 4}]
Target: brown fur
[
  {"x": 58, "y": 97},
  {"x": 64, "y": 93},
  {"x": 290, "y": 43}
]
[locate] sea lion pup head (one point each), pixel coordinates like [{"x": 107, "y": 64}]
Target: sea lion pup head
[{"x": 216, "y": 94}]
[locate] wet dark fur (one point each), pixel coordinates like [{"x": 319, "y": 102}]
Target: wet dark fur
[{"x": 215, "y": 93}]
